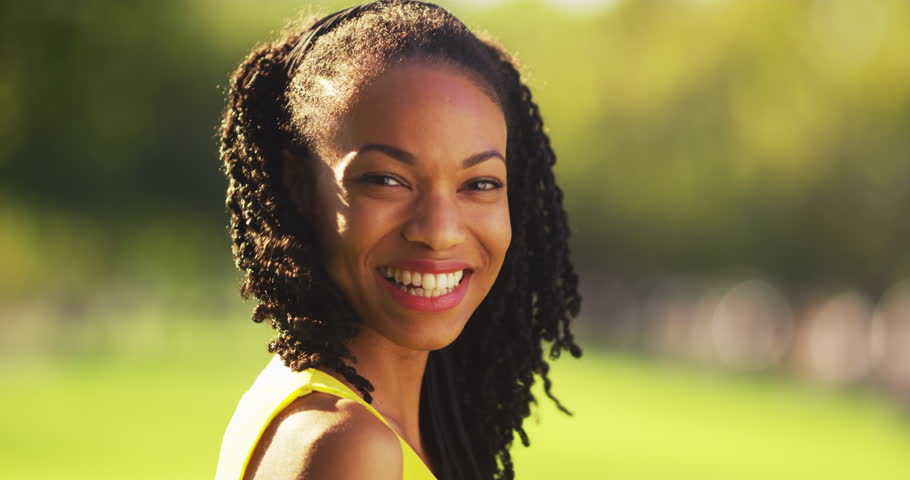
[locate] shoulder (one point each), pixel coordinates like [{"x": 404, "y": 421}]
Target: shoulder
[{"x": 326, "y": 437}]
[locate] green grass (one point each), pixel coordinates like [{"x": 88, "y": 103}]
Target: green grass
[
  {"x": 636, "y": 419},
  {"x": 162, "y": 414}
]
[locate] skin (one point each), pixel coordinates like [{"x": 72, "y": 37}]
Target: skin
[{"x": 434, "y": 191}]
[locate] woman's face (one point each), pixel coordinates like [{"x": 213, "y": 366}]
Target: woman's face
[{"x": 410, "y": 199}]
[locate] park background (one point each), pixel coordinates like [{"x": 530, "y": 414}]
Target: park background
[{"x": 737, "y": 175}]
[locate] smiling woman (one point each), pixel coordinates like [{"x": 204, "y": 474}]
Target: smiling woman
[
  {"x": 394, "y": 211},
  {"x": 413, "y": 183}
]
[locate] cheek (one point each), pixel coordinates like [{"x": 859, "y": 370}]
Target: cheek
[
  {"x": 358, "y": 227},
  {"x": 364, "y": 221},
  {"x": 504, "y": 235},
  {"x": 495, "y": 231}
]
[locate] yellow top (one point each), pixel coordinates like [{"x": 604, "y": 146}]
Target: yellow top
[{"x": 276, "y": 388}]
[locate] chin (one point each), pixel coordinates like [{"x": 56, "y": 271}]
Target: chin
[
  {"x": 424, "y": 333},
  {"x": 430, "y": 341},
  {"x": 437, "y": 343}
]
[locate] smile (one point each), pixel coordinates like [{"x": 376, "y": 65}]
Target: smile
[
  {"x": 428, "y": 285},
  {"x": 425, "y": 291}
]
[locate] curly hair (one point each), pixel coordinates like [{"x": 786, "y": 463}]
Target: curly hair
[{"x": 477, "y": 391}]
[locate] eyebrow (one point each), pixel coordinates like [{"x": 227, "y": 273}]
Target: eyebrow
[{"x": 408, "y": 158}]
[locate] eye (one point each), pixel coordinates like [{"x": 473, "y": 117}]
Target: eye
[
  {"x": 484, "y": 184},
  {"x": 381, "y": 179}
]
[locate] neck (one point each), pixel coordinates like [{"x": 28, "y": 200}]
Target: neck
[{"x": 397, "y": 375}]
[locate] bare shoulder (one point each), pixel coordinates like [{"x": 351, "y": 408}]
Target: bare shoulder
[{"x": 326, "y": 437}]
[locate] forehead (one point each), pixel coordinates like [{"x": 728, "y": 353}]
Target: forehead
[{"x": 428, "y": 109}]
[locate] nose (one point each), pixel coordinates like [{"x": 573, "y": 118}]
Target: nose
[{"x": 436, "y": 221}]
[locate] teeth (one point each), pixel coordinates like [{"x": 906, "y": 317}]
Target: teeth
[
  {"x": 423, "y": 292},
  {"x": 432, "y": 284}
]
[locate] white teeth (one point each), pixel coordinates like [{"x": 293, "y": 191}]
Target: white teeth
[
  {"x": 420, "y": 292},
  {"x": 403, "y": 288},
  {"x": 443, "y": 283}
]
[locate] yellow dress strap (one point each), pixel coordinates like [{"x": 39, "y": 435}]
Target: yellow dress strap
[{"x": 276, "y": 388}]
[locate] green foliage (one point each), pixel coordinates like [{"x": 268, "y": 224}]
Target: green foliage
[{"x": 693, "y": 136}]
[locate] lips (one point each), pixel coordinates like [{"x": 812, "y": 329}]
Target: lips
[
  {"x": 423, "y": 284},
  {"x": 439, "y": 289}
]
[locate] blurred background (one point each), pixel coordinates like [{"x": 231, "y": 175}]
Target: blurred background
[{"x": 737, "y": 175}]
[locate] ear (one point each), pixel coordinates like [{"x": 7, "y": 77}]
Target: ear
[{"x": 298, "y": 180}]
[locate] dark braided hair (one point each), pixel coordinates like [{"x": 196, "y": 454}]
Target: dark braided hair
[{"x": 476, "y": 392}]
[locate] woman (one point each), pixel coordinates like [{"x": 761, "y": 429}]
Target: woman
[{"x": 395, "y": 214}]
